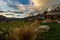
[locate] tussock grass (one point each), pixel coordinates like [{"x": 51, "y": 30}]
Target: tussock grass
[{"x": 25, "y": 32}]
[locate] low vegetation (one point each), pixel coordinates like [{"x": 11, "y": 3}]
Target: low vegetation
[{"x": 7, "y": 29}]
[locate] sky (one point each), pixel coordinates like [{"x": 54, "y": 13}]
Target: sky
[
  {"x": 24, "y": 1},
  {"x": 12, "y": 4},
  {"x": 42, "y": 4}
]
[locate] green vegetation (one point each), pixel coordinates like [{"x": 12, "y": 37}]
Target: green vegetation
[
  {"x": 53, "y": 34},
  {"x": 6, "y": 26}
]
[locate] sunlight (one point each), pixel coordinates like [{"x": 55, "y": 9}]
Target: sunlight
[{"x": 41, "y": 3}]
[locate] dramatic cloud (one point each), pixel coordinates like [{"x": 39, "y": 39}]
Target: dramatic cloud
[
  {"x": 4, "y": 5},
  {"x": 12, "y": 5},
  {"x": 44, "y": 3},
  {"x": 9, "y": 5},
  {"x": 16, "y": 5}
]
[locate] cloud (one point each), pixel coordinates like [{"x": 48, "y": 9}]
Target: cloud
[
  {"x": 44, "y": 3},
  {"x": 6, "y": 5},
  {"x": 11, "y": 5},
  {"x": 41, "y": 3},
  {"x": 2, "y": 2}
]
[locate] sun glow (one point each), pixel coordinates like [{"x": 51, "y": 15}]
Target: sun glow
[{"x": 41, "y": 3}]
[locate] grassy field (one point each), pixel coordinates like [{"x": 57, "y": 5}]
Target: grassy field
[
  {"x": 6, "y": 26},
  {"x": 53, "y": 34}
]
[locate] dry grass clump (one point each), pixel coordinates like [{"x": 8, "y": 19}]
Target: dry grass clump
[
  {"x": 23, "y": 34},
  {"x": 26, "y": 32}
]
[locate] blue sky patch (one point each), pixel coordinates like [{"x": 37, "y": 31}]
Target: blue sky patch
[{"x": 23, "y": 1}]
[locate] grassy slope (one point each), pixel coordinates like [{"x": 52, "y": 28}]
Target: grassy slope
[{"x": 54, "y": 34}]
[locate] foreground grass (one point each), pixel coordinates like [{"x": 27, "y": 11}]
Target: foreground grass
[
  {"x": 6, "y": 26},
  {"x": 53, "y": 34}
]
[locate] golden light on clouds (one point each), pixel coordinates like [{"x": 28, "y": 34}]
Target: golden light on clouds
[
  {"x": 21, "y": 8},
  {"x": 41, "y": 3}
]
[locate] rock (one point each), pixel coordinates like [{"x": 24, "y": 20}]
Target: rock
[
  {"x": 43, "y": 28},
  {"x": 58, "y": 22}
]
